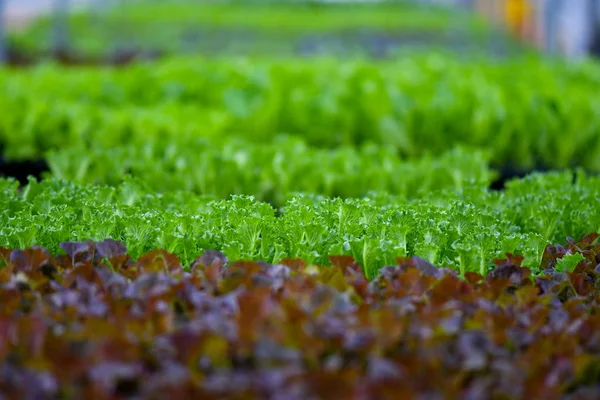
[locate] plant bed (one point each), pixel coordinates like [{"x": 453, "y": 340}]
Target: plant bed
[
  {"x": 18, "y": 58},
  {"x": 270, "y": 171},
  {"x": 414, "y": 106},
  {"x": 221, "y": 28},
  {"x": 464, "y": 230},
  {"x": 95, "y": 323},
  {"x": 369, "y": 44}
]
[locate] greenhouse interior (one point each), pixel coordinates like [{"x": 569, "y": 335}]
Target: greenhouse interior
[{"x": 300, "y": 199}]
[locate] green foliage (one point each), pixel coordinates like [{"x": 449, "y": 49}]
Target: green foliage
[
  {"x": 194, "y": 26},
  {"x": 269, "y": 171},
  {"x": 569, "y": 262},
  {"x": 464, "y": 230},
  {"x": 412, "y": 106}
]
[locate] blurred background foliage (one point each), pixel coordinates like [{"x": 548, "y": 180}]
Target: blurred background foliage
[{"x": 117, "y": 30}]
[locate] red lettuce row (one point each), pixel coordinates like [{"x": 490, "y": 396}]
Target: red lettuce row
[{"x": 94, "y": 323}]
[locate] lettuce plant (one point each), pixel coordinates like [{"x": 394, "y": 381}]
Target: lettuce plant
[{"x": 463, "y": 230}]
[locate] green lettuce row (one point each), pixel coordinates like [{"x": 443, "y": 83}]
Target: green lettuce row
[
  {"x": 521, "y": 110},
  {"x": 269, "y": 171},
  {"x": 465, "y": 231},
  {"x": 190, "y": 26}
]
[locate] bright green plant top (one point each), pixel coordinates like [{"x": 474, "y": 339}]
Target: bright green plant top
[
  {"x": 464, "y": 230},
  {"x": 270, "y": 171},
  {"x": 526, "y": 112}
]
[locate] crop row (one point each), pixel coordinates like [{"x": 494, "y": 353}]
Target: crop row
[
  {"x": 269, "y": 171},
  {"x": 94, "y": 323},
  {"x": 415, "y": 106},
  {"x": 465, "y": 230},
  {"x": 189, "y": 26}
]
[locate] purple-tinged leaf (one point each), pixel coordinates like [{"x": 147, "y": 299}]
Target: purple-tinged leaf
[
  {"x": 109, "y": 248},
  {"x": 210, "y": 258},
  {"x": 74, "y": 249}
]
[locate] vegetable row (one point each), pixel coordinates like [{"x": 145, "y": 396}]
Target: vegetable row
[
  {"x": 269, "y": 171},
  {"x": 464, "y": 230},
  {"x": 414, "y": 105},
  {"x": 190, "y": 27},
  {"x": 94, "y": 323}
]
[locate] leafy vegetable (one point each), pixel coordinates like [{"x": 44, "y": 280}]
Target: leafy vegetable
[
  {"x": 413, "y": 106},
  {"x": 270, "y": 171},
  {"x": 465, "y": 230},
  {"x": 569, "y": 262},
  {"x": 94, "y": 322},
  {"x": 256, "y": 27}
]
